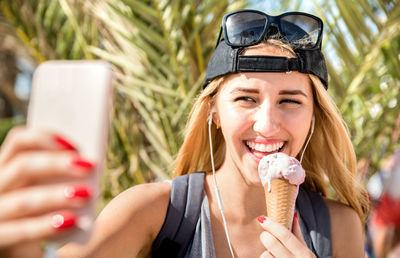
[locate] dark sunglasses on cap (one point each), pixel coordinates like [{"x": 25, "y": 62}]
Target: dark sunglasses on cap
[{"x": 249, "y": 27}]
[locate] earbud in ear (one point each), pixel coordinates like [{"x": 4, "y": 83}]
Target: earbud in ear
[
  {"x": 212, "y": 109},
  {"x": 210, "y": 116}
]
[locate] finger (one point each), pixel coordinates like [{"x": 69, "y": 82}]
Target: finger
[
  {"x": 25, "y": 230},
  {"x": 43, "y": 166},
  {"x": 22, "y": 139},
  {"x": 282, "y": 234},
  {"x": 34, "y": 201},
  {"x": 27, "y": 250},
  {"x": 296, "y": 228},
  {"x": 274, "y": 246},
  {"x": 266, "y": 254}
]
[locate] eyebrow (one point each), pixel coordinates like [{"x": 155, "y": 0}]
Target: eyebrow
[
  {"x": 292, "y": 92},
  {"x": 246, "y": 90},
  {"x": 282, "y": 92}
]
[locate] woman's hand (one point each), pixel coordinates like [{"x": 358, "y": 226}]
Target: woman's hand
[
  {"x": 280, "y": 242},
  {"x": 33, "y": 205}
]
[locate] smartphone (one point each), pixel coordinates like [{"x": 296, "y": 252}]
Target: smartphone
[{"x": 72, "y": 99}]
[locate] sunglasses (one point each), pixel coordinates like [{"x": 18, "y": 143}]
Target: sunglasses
[{"x": 249, "y": 27}]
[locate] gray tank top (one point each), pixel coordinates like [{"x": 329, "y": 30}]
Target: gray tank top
[{"x": 314, "y": 224}]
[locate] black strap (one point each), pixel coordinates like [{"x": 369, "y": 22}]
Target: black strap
[
  {"x": 183, "y": 212},
  {"x": 315, "y": 222},
  {"x": 267, "y": 64}
]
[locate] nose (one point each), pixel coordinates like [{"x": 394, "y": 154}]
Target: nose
[{"x": 266, "y": 121}]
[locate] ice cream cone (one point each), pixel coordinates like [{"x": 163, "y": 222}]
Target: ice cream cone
[{"x": 281, "y": 201}]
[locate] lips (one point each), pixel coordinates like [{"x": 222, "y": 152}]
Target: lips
[
  {"x": 259, "y": 150},
  {"x": 261, "y": 147}
]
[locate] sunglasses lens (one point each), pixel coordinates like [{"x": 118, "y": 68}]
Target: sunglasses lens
[
  {"x": 245, "y": 28},
  {"x": 300, "y": 31}
]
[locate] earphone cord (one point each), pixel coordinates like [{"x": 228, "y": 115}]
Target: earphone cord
[
  {"x": 308, "y": 140},
  {"x": 217, "y": 190}
]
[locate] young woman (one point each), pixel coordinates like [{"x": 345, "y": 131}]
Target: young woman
[{"x": 265, "y": 92}]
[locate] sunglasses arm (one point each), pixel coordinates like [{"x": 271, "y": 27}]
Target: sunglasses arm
[{"x": 219, "y": 37}]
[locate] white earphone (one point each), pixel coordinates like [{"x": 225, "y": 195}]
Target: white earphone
[
  {"x": 312, "y": 124},
  {"x": 210, "y": 116},
  {"x": 219, "y": 201}
]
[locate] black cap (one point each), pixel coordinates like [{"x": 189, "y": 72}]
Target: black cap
[{"x": 226, "y": 60}]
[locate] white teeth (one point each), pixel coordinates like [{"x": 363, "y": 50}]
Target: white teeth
[
  {"x": 265, "y": 147},
  {"x": 260, "y": 147}
]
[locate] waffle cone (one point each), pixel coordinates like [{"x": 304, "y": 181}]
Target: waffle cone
[{"x": 281, "y": 201}]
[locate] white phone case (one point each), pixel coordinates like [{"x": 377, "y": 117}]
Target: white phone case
[{"x": 72, "y": 98}]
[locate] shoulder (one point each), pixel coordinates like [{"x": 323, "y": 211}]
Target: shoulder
[
  {"x": 346, "y": 230},
  {"x": 143, "y": 196},
  {"x": 147, "y": 203},
  {"x": 128, "y": 224}
]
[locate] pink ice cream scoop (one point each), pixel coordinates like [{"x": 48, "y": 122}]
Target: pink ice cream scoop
[
  {"x": 280, "y": 165},
  {"x": 281, "y": 176}
]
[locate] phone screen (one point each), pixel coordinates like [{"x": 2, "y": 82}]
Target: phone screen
[{"x": 72, "y": 99}]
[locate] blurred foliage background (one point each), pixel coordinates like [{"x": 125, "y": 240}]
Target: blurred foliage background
[{"x": 159, "y": 50}]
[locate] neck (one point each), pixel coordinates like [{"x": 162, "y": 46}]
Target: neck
[{"x": 241, "y": 201}]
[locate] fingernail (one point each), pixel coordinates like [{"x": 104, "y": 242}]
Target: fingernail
[
  {"x": 296, "y": 215},
  {"x": 82, "y": 164},
  {"x": 63, "y": 143},
  {"x": 261, "y": 219},
  {"x": 63, "y": 220},
  {"x": 77, "y": 191}
]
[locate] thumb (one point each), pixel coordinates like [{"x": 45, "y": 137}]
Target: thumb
[{"x": 296, "y": 230}]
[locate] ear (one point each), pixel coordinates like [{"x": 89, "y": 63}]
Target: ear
[{"x": 215, "y": 116}]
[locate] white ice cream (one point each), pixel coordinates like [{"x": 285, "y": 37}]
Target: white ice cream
[{"x": 280, "y": 165}]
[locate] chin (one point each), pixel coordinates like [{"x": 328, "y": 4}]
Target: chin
[{"x": 253, "y": 180}]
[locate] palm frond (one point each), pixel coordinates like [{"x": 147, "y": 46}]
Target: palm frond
[
  {"x": 160, "y": 50},
  {"x": 364, "y": 40}
]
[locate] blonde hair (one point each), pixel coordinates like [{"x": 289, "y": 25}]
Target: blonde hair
[
  {"x": 329, "y": 156},
  {"x": 191, "y": 159}
]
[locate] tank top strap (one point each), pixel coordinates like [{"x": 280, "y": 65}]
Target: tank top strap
[{"x": 314, "y": 222}]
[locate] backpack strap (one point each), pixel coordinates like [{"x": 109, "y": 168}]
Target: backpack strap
[
  {"x": 183, "y": 212},
  {"x": 315, "y": 222}
]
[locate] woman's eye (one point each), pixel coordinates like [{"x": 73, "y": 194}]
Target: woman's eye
[
  {"x": 245, "y": 99},
  {"x": 289, "y": 101}
]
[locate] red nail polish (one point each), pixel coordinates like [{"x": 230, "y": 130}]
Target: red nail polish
[
  {"x": 261, "y": 219},
  {"x": 77, "y": 191},
  {"x": 80, "y": 163},
  {"x": 296, "y": 215},
  {"x": 64, "y": 143},
  {"x": 63, "y": 220}
]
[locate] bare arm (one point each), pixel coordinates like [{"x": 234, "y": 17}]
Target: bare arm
[
  {"x": 128, "y": 225},
  {"x": 347, "y": 231}
]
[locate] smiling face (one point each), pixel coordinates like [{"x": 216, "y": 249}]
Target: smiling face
[{"x": 263, "y": 113}]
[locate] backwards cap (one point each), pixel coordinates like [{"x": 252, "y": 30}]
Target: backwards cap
[{"x": 227, "y": 60}]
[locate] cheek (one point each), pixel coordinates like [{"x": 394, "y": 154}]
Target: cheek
[
  {"x": 235, "y": 126},
  {"x": 297, "y": 119},
  {"x": 298, "y": 125},
  {"x": 234, "y": 121}
]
